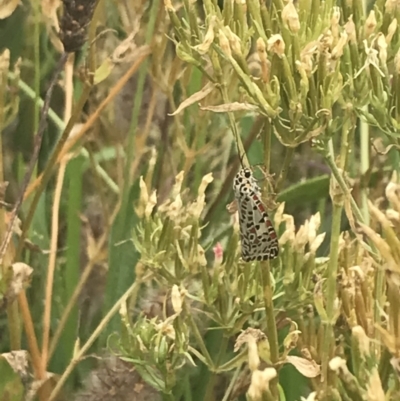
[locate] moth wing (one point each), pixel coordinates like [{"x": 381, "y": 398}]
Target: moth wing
[{"x": 258, "y": 237}]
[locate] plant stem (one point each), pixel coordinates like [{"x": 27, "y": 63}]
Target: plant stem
[
  {"x": 285, "y": 167},
  {"x": 364, "y": 166},
  {"x": 272, "y": 331},
  {"x": 213, "y": 376},
  {"x": 331, "y": 290}
]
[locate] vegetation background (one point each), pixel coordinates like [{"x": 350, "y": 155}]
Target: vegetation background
[{"x": 121, "y": 278}]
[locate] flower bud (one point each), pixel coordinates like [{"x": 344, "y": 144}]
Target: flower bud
[
  {"x": 276, "y": 45},
  {"x": 150, "y": 204},
  {"x": 337, "y": 51},
  {"x": 350, "y": 29},
  {"x": 391, "y": 31},
  {"x": 370, "y": 24},
  {"x": 265, "y": 63},
  {"x": 335, "y": 22},
  {"x": 260, "y": 383},
  {"x": 218, "y": 254},
  {"x": 224, "y": 43},
  {"x": 176, "y": 299},
  {"x": 290, "y": 17},
  {"x": 382, "y": 47},
  {"x": 234, "y": 41},
  {"x": 203, "y": 47},
  {"x": 254, "y": 358}
]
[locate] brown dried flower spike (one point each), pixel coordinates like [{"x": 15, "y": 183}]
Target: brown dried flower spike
[{"x": 77, "y": 16}]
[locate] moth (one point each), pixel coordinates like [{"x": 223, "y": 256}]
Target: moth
[{"x": 258, "y": 238}]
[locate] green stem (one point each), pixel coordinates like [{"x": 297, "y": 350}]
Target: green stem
[
  {"x": 331, "y": 290},
  {"x": 272, "y": 331},
  {"x": 284, "y": 171},
  {"x": 213, "y": 376},
  {"x": 199, "y": 338},
  {"x": 364, "y": 166},
  {"x": 267, "y": 145},
  {"x": 232, "y": 383},
  {"x": 343, "y": 186}
]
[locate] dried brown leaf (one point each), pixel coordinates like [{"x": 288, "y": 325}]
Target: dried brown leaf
[
  {"x": 305, "y": 367},
  {"x": 196, "y": 97},
  {"x": 235, "y": 106}
]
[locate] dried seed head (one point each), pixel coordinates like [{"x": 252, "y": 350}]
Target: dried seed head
[
  {"x": 374, "y": 387},
  {"x": 143, "y": 198},
  {"x": 289, "y": 234},
  {"x": 74, "y": 22},
  {"x": 254, "y": 64},
  {"x": 319, "y": 239},
  {"x": 254, "y": 358},
  {"x": 326, "y": 41},
  {"x": 276, "y": 45},
  {"x": 260, "y": 383},
  {"x": 306, "y": 57},
  {"x": 176, "y": 299},
  {"x": 370, "y": 24},
  {"x": 150, "y": 204},
  {"x": 382, "y": 47},
  {"x": 335, "y": 22},
  {"x": 224, "y": 43},
  {"x": 176, "y": 189},
  {"x": 234, "y": 41},
  {"x": 301, "y": 237},
  {"x": 265, "y": 63},
  {"x": 350, "y": 29},
  {"x": 243, "y": 337},
  {"x": 392, "y": 192},
  {"x": 290, "y": 17},
  {"x": 391, "y": 31},
  {"x": 337, "y": 51},
  {"x": 197, "y": 207},
  {"x": 315, "y": 222},
  {"x": 279, "y": 214},
  {"x": 338, "y": 364},
  {"x": 291, "y": 340},
  {"x": 174, "y": 210},
  {"x": 362, "y": 340},
  {"x": 203, "y": 47},
  {"x": 201, "y": 256}
]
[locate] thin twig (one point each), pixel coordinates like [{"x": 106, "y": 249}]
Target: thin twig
[{"x": 52, "y": 263}]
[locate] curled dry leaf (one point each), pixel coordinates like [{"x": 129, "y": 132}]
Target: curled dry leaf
[
  {"x": 245, "y": 336},
  {"x": 235, "y": 106},
  {"x": 306, "y": 367},
  {"x": 194, "y": 98}
]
